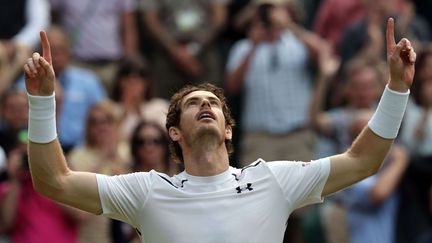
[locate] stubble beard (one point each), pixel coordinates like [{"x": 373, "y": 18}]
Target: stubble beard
[{"x": 207, "y": 137}]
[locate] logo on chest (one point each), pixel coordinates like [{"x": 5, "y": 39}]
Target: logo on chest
[{"x": 247, "y": 187}]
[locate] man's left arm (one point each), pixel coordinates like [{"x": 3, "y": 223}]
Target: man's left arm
[{"x": 368, "y": 151}]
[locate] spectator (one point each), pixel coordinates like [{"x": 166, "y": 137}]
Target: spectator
[
  {"x": 101, "y": 33},
  {"x": 334, "y": 16},
  {"x": 364, "y": 84},
  {"x": 149, "y": 150},
  {"x": 271, "y": 67},
  {"x": 103, "y": 152},
  {"x": 416, "y": 135},
  {"x": 20, "y": 23},
  {"x": 185, "y": 35},
  {"x": 27, "y": 216},
  {"x": 133, "y": 93},
  {"x": 372, "y": 203},
  {"x": 13, "y": 123},
  {"x": 366, "y": 37},
  {"x": 77, "y": 88}
]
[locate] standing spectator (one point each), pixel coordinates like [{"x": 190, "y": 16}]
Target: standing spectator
[
  {"x": 271, "y": 67},
  {"x": 101, "y": 32},
  {"x": 133, "y": 92},
  {"x": 103, "y": 152},
  {"x": 20, "y": 23},
  {"x": 185, "y": 35},
  {"x": 366, "y": 36},
  {"x": 77, "y": 88},
  {"x": 334, "y": 16}
]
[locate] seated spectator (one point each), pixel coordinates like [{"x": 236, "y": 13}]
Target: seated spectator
[
  {"x": 364, "y": 84},
  {"x": 27, "y": 216},
  {"x": 372, "y": 204},
  {"x": 14, "y": 119},
  {"x": 105, "y": 153},
  {"x": 77, "y": 90},
  {"x": 133, "y": 93},
  {"x": 149, "y": 148},
  {"x": 416, "y": 135}
]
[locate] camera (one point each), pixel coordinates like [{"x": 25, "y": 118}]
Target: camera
[{"x": 264, "y": 13}]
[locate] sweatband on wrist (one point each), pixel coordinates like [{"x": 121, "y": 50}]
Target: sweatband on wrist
[
  {"x": 388, "y": 116},
  {"x": 42, "y": 122}
]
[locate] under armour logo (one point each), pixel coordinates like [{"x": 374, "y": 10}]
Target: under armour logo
[{"x": 248, "y": 187}]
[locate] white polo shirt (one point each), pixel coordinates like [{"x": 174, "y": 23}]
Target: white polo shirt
[{"x": 240, "y": 205}]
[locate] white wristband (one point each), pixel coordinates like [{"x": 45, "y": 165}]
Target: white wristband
[
  {"x": 42, "y": 122},
  {"x": 388, "y": 116}
]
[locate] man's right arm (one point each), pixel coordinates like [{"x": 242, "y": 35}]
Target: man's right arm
[
  {"x": 52, "y": 178},
  {"x": 50, "y": 173}
]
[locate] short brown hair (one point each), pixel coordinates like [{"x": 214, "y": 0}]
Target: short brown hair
[{"x": 174, "y": 111}]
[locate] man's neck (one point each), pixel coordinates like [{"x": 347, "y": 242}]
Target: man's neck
[{"x": 206, "y": 162}]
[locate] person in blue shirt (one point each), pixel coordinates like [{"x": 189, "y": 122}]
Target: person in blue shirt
[{"x": 77, "y": 90}]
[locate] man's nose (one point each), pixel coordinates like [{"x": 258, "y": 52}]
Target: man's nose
[{"x": 205, "y": 102}]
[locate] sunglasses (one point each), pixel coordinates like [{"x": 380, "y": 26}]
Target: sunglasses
[
  {"x": 100, "y": 120},
  {"x": 150, "y": 141}
]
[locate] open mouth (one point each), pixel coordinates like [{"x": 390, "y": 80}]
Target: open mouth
[{"x": 206, "y": 115}]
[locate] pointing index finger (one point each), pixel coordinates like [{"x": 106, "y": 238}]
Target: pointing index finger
[
  {"x": 390, "y": 35},
  {"x": 46, "y": 49}
]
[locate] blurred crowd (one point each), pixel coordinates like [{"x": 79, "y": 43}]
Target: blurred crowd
[{"x": 302, "y": 77}]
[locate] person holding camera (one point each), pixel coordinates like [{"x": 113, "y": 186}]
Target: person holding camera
[{"x": 27, "y": 216}]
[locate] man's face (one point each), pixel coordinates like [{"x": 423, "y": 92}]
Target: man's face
[
  {"x": 363, "y": 89},
  {"x": 202, "y": 117},
  {"x": 60, "y": 51}
]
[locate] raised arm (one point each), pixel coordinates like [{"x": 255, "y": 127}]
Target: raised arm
[
  {"x": 50, "y": 173},
  {"x": 368, "y": 151}
]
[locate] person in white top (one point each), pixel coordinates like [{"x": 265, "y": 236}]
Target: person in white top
[{"x": 210, "y": 201}]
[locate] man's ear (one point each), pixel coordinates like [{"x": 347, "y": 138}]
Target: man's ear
[
  {"x": 228, "y": 133},
  {"x": 174, "y": 133}
]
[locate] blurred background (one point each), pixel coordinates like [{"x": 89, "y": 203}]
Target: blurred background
[{"x": 302, "y": 79}]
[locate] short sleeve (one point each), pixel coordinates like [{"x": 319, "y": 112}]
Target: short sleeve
[
  {"x": 237, "y": 54},
  {"x": 123, "y": 196},
  {"x": 301, "y": 182}
]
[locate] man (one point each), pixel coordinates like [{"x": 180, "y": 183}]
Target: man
[
  {"x": 209, "y": 201},
  {"x": 272, "y": 69},
  {"x": 185, "y": 36}
]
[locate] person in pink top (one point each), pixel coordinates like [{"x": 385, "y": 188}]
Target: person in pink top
[{"x": 27, "y": 216}]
